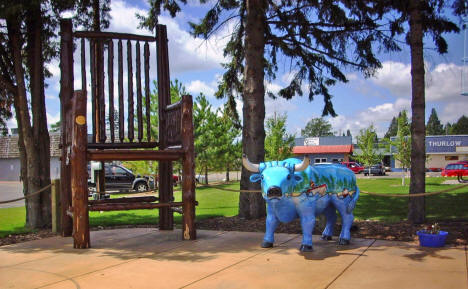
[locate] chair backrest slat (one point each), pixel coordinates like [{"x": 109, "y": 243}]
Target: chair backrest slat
[{"x": 118, "y": 120}]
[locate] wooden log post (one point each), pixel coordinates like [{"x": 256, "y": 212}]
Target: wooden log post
[
  {"x": 79, "y": 179},
  {"x": 166, "y": 215},
  {"x": 188, "y": 171},
  {"x": 56, "y": 208},
  {"x": 66, "y": 95}
]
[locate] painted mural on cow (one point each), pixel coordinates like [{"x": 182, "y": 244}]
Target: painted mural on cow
[{"x": 294, "y": 189}]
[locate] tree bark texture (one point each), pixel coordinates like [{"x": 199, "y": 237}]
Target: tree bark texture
[
  {"x": 252, "y": 206},
  {"x": 30, "y": 153},
  {"x": 416, "y": 210},
  {"x": 35, "y": 63}
]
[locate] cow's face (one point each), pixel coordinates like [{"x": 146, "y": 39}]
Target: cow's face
[{"x": 277, "y": 178}]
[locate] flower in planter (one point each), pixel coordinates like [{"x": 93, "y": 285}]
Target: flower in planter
[{"x": 432, "y": 229}]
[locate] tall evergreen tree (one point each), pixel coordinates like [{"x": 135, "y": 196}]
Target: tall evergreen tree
[
  {"x": 392, "y": 129},
  {"x": 461, "y": 126},
  {"x": 422, "y": 17},
  {"x": 448, "y": 128},
  {"x": 402, "y": 143},
  {"x": 433, "y": 126},
  {"x": 318, "y": 38},
  {"x": 28, "y": 39},
  {"x": 205, "y": 127}
]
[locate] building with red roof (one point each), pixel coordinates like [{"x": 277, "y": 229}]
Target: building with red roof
[{"x": 325, "y": 149}]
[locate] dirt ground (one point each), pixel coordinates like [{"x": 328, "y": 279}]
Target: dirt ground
[{"x": 401, "y": 231}]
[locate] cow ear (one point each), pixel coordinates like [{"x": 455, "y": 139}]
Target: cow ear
[
  {"x": 255, "y": 178},
  {"x": 298, "y": 178}
]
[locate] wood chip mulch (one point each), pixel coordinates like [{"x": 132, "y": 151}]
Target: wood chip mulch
[{"x": 400, "y": 231}]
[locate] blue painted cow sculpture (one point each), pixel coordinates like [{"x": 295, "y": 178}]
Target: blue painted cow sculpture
[{"x": 294, "y": 189}]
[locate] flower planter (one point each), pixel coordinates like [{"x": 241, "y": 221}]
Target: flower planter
[{"x": 432, "y": 240}]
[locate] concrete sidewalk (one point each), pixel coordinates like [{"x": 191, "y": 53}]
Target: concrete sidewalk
[{"x": 148, "y": 258}]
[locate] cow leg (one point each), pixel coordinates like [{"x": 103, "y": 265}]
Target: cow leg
[
  {"x": 346, "y": 218},
  {"x": 307, "y": 215},
  {"x": 271, "y": 224},
  {"x": 330, "y": 214}
]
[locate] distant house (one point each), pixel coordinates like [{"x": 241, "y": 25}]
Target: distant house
[
  {"x": 10, "y": 164},
  {"x": 324, "y": 149}
]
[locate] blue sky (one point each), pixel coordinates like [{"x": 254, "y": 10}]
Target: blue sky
[{"x": 358, "y": 103}]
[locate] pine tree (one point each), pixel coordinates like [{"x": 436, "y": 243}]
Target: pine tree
[
  {"x": 318, "y": 38},
  {"x": 402, "y": 143},
  {"x": 28, "y": 42},
  {"x": 433, "y": 126},
  {"x": 461, "y": 126},
  {"x": 421, "y": 18},
  {"x": 392, "y": 129}
]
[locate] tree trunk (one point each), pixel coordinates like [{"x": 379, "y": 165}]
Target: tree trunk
[
  {"x": 35, "y": 64},
  {"x": 227, "y": 173},
  {"x": 206, "y": 175},
  {"x": 416, "y": 212},
  {"x": 251, "y": 205},
  {"x": 32, "y": 179}
]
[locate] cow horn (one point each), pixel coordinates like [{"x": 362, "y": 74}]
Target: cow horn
[
  {"x": 248, "y": 165},
  {"x": 302, "y": 166}
]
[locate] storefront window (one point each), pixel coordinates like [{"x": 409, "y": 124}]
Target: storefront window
[{"x": 451, "y": 158}]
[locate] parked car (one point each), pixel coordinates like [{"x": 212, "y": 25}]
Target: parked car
[
  {"x": 354, "y": 166},
  {"x": 455, "y": 169},
  {"x": 377, "y": 169},
  {"x": 175, "y": 180},
  {"x": 118, "y": 177}
]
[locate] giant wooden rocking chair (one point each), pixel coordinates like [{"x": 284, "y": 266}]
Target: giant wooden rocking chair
[{"x": 175, "y": 128}]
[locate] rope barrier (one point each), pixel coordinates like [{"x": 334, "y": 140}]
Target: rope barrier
[
  {"x": 363, "y": 192},
  {"x": 259, "y": 191},
  {"x": 28, "y": 195}
]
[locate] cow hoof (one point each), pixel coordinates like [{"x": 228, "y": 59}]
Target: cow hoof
[
  {"x": 306, "y": 248},
  {"x": 266, "y": 244},
  {"x": 343, "y": 242},
  {"x": 326, "y": 238}
]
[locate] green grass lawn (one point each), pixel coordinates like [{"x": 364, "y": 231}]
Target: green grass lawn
[{"x": 213, "y": 202}]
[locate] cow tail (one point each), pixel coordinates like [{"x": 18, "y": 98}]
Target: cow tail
[{"x": 352, "y": 203}]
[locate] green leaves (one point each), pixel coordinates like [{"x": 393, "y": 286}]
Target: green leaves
[
  {"x": 278, "y": 143},
  {"x": 402, "y": 142},
  {"x": 216, "y": 136},
  {"x": 366, "y": 140},
  {"x": 317, "y": 126}
]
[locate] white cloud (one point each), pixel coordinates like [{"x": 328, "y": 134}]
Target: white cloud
[
  {"x": 396, "y": 77},
  {"x": 379, "y": 115},
  {"x": 444, "y": 82},
  {"x": 51, "y": 119},
  {"x": 197, "y": 86},
  {"x": 272, "y": 87},
  {"x": 279, "y": 105},
  {"x": 186, "y": 53}
]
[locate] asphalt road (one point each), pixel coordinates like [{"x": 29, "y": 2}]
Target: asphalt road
[{"x": 9, "y": 191}]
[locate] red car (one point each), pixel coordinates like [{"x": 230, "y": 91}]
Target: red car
[
  {"x": 455, "y": 169},
  {"x": 355, "y": 167}
]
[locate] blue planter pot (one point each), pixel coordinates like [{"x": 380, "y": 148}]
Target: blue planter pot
[{"x": 432, "y": 240}]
